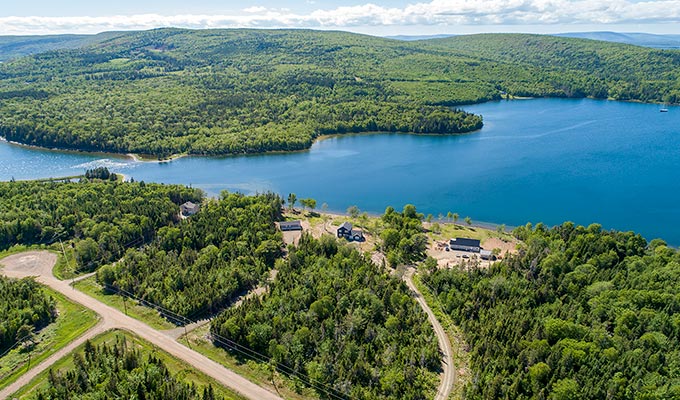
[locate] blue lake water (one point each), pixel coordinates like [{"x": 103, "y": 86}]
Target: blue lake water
[{"x": 542, "y": 160}]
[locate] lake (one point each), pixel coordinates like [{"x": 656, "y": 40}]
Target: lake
[{"x": 540, "y": 160}]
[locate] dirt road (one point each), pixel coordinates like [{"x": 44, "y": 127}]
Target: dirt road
[
  {"x": 448, "y": 371},
  {"x": 40, "y": 263}
]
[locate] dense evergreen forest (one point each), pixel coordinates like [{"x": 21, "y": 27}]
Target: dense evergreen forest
[
  {"x": 199, "y": 265},
  {"x": 343, "y": 322},
  {"x": 119, "y": 371},
  {"x": 233, "y": 91},
  {"x": 578, "y": 313},
  {"x": 102, "y": 217},
  {"x": 24, "y": 308}
]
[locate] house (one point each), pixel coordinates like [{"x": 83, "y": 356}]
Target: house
[
  {"x": 290, "y": 226},
  {"x": 465, "y": 244},
  {"x": 357, "y": 235},
  {"x": 189, "y": 208},
  {"x": 345, "y": 230},
  {"x": 486, "y": 255}
]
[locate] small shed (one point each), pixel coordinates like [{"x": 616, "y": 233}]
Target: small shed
[
  {"x": 465, "y": 244},
  {"x": 345, "y": 229},
  {"x": 290, "y": 226},
  {"x": 189, "y": 208},
  {"x": 486, "y": 255}
]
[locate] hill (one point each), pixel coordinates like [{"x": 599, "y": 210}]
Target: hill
[
  {"x": 637, "y": 39},
  {"x": 171, "y": 91},
  {"x": 12, "y": 47}
]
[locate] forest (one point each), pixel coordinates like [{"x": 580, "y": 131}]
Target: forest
[
  {"x": 342, "y": 322},
  {"x": 24, "y": 309},
  {"x": 119, "y": 371},
  {"x": 101, "y": 219},
  {"x": 199, "y": 265},
  {"x": 169, "y": 91},
  {"x": 578, "y": 313}
]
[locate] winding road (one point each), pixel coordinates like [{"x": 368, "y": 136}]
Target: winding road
[
  {"x": 448, "y": 371},
  {"x": 39, "y": 264}
]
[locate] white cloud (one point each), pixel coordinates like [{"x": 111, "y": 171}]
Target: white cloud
[
  {"x": 434, "y": 13},
  {"x": 255, "y": 9}
]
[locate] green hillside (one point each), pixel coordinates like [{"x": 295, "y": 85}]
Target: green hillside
[
  {"x": 171, "y": 91},
  {"x": 12, "y": 47}
]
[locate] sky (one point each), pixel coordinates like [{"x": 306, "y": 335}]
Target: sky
[{"x": 376, "y": 17}]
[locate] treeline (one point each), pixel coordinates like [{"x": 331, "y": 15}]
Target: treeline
[
  {"x": 198, "y": 266},
  {"x": 340, "y": 321},
  {"x": 578, "y": 313},
  {"x": 119, "y": 371},
  {"x": 101, "y": 218},
  {"x": 24, "y": 308}
]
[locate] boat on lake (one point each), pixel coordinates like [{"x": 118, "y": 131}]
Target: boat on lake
[{"x": 663, "y": 110}]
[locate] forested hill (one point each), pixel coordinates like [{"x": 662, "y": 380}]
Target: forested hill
[{"x": 236, "y": 91}]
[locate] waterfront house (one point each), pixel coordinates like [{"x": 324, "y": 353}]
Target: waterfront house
[
  {"x": 357, "y": 235},
  {"x": 345, "y": 230},
  {"x": 290, "y": 226},
  {"x": 465, "y": 244}
]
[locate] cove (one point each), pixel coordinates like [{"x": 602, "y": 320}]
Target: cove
[{"x": 539, "y": 160}]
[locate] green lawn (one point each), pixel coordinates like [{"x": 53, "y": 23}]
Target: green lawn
[
  {"x": 134, "y": 310},
  {"x": 73, "y": 321},
  {"x": 257, "y": 373},
  {"x": 174, "y": 365}
]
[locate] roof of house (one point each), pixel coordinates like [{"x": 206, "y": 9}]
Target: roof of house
[
  {"x": 485, "y": 252},
  {"x": 465, "y": 242},
  {"x": 346, "y": 225},
  {"x": 189, "y": 204},
  {"x": 286, "y": 224},
  {"x": 356, "y": 232}
]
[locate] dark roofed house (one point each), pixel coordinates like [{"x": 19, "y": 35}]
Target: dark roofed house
[
  {"x": 189, "y": 208},
  {"x": 465, "y": 244},
  {"x": 290, "y": 226},
  {"x": 356, "y": 235},
  {"x": 345, "y": 230}
]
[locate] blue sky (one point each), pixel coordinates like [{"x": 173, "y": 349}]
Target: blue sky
[{"x": 376, "y": 17}]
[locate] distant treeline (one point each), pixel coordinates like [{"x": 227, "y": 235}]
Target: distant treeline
[{"x": 248, "y": 91}]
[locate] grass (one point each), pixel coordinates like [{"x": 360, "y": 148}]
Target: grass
[
  {"x": 147, "y": 315},
  {"x": 258, "y": 373},
  {"x": 73, "y": 321},
  {"x": 461, "y": 358},
  {"x": 65, "y": 267},
  {"x": 175, "y": 366}
]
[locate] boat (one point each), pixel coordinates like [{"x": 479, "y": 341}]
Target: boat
[{"x": 663, "y": 110}]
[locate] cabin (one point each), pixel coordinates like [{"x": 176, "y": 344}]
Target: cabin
[
  {"x": 345, "y": 230},
  {"x": 465, "y": 244},
  {"x": 189, "y": 208},
  {"x": 290, "y": 226}
]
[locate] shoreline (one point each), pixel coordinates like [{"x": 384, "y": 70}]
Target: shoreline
[{"x": 142, "y": 158}]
